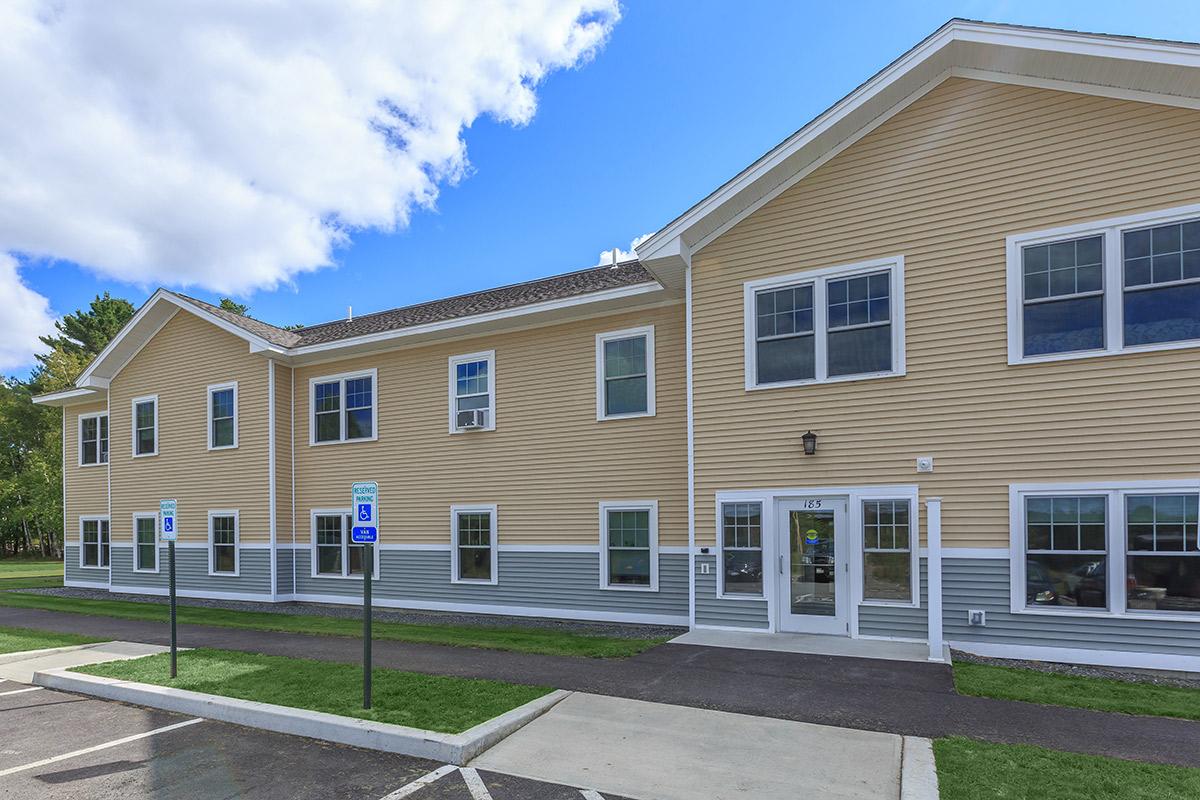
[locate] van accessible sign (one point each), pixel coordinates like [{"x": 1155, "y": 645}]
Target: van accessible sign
[{"x": 364, "y": 506}]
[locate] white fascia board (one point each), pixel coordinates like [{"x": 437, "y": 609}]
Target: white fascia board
[{"x": 68, "y": 397}]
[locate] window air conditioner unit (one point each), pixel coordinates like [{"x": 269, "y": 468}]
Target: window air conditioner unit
[{"x": 471, "y": 420}]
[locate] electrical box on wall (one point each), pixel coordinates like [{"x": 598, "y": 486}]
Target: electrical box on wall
[
  {"x": 704, "y": 568},
  {"x": 924, "y": 463},
  {"x": 976, "y": 617}
]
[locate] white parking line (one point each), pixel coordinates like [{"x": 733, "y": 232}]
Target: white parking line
[
  {"x": 591, "y": 794},
  {"x": 475, "y": 784},
  {"x": 94, "y": 748},
  {"x": 420, "y": 783},
  {"x": 21, "y": 691}
]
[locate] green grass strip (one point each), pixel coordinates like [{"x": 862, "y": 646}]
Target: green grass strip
[
  {"x": 29, "y": 568},
  {"x": 971, "y": 770},
  {"x": 18, "y": 640},
  {"x": 30, "y": 583},
  {"x": 432, "y": 702},
  {"x": 522, "y": 640},
  {"x": 1098, "y": 694}
]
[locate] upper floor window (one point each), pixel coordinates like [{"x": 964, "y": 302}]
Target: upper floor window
[
  {"x": 473, "y": 392},
  {"x": 473, "y": 542},
  {"x": 837, "y": 323},
  {"x": 343, "y": 407},
  {"x": 93, "y": 439},
  {"x": 1113, "y": 286},
  {"x": 145, "y": 426},
  {"x": 222, "y": 416},
  {"x": 625, "y": 373},
  {"x": 629, "y": 545}
]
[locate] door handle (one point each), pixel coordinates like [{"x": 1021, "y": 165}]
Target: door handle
[{"x": 781, "y": 565}]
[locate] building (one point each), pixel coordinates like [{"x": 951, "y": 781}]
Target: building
[{"x": 971, "y": 288}]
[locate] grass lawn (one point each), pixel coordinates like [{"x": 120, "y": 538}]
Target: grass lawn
[
  {"x": 16, "y": 640},
  {"x": 524, "y": 640},
  {"x": 433, "y": 702},
  {"x": 27, "y": 573},
  {"x": 1099, "y": 694},
  {"x": 971, "y": 770}
]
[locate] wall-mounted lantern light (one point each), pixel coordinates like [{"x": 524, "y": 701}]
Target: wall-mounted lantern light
[{"x": 810, "y": 443}]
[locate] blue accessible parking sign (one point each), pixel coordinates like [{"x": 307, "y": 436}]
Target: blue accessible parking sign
[{"x": 365, "y": 497}]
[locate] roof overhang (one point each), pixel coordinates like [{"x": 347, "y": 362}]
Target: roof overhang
[
  {"x": 1112, "y": 66},
  {"x": 69, "y": 397}
]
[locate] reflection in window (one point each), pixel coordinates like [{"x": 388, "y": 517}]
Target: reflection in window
[
  {"x": 887, "y": 551},
  {"x": 786, "y": 346},
  {"x": 741, "y": 548},
  {"x": 1066, "y": 551},
  {"x": 1063, "y": 293},
  {"x": 475, "y": 546},
  {"x": 625, "y": 376},
  {"x": 1162, "y": 283},
  {"x": 1163, "y": 553},
  {"x": 860, "y": 330},
  {"x": 628, "y": 547}
]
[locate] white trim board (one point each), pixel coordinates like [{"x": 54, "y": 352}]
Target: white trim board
[{"x": 1075, "y": 655}]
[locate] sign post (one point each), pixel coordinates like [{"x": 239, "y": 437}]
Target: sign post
[
  {"x": 365, "y": 531},
  {"x": 167, "y": 530}
]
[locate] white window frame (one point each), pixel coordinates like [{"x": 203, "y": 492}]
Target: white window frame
[
  {"x": 484, "y": 508},
  {"x": 347, "y": 523},
  {"x": 96, "y": 416},
  {"x": 237, "y": 542},
  {"x": 452, "y": 372},
  {"x": 914, "y": 542},
  {"x": 819, "y": 278},
  {"x": 98, "y": 519},
  {"x": 1115, "y": 493},
  {"x": 342, "y": 377},
  {"x": 1112, "y": 230},
  {"x": 138, "y": 515},
  {"x": 719, "y": 549},
  {"x": 150, "y": 398},
  {"x": 646, "y": 331},
  {"x": 212, "y": 389},
  {"x": 629, "y": 505}
]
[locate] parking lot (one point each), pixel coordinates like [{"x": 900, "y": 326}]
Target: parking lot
[{"x": 59, "y": 745}]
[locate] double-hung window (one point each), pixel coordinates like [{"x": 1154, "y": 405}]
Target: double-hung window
[
  {"x": 93, "y": 542},
  {"x": 741, "y": 561},
  {"x": 145, "y": 426},
  {"x": 1066, "y": 551},
  {"x": 334, "y": 555},
  {"x": 93, "y": 439},
  {"x": 145, "y": 542},
  {"x": 343, "y": 407},
  {"x": 222, "y": 416},
  {"x": 473, "y": 392},
  {"x": 474, "y": 556},
  {"x": 1162, "y": 553},
  {"x": 625, "y": 373},
  {"x": 887, "y": 551},
  {"x": 1113, "y": 286},
  {"x": 837, "y": 323},
  {"x": 223, "y": 542},
  {"x": 629, "y": 545}
]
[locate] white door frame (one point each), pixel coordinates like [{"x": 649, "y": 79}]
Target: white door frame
[{"x": 839, "y": 624}]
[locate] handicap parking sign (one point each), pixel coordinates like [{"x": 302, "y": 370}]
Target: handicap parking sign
[
  {"x": 166, "y": 515},
  {"x": 365, "y": 499}
]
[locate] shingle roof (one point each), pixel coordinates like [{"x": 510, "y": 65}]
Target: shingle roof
[{"x": 558, "y": 287}]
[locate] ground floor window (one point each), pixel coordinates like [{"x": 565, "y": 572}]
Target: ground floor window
[
  {"x": 473, "y": 541},
  {"x": 629, "y": 545},
  {"x": 1066, "y": 551},
  {"x": 335, "y": 554},
  {"x": 223, "y": 542},
  {"x": 93, "y": 534},
  {"x": 887, "y": 551},
  {"x": 145, "y": 534},
  {"x": 1163, "y": 546},
  {"x": 741, "y": 550}
]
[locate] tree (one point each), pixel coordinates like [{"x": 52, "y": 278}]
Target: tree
[
  {"x": 240, "y": 309},
  {"x": 87, "y": 332}
]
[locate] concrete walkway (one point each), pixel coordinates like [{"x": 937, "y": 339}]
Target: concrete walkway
[
  {"x": 21, "y": 666},
  {"x": 906, "y": 698}
]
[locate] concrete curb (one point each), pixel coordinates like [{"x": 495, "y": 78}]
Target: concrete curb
[
  {"x": 450, "y": 748},
  {"x": 918, "y": 770},
  {"x": 25, "y": 655}
]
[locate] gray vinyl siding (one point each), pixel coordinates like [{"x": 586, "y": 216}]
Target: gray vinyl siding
[
  {"x": 542, "y": 580},
  {"x": 191, "y": 572},
  {"x": 711, "y": 610},
  {"x": 283, "y": 570},
  {"x": 74, "y": 572},
  {"x": 898, "y": 622},
  {"x": 982, "y": 583}
]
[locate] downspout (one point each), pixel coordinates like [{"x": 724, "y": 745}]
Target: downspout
[
  {"x": 691, "y": 452},
  {"x": 271, "y": 476},
  {"x": 292, "y": 450}
]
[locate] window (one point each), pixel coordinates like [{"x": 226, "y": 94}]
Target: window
[
  {"x": 93, "y": 541},
  {"x": 1066, "y": 551},
  {"x": 629, "y": 545},
  {"x": 223, "y": 542},
  {"x": 334, "y": 555},
  {"x": 741, "y": 561},
  {"x": 1163, "y": 553},
  {"x": 1107, "y": 287},
  {"x": 625, "y": 373},
  {"x": 472, "y": 392},
  {"x": 145, "y": 426},
  {"x": 473, "y": 542},
  {"x": 145, "y": 534},
  {"x": 837, "y": 323},
  {"x": 887, "y": 551},
  {"x": 93, "y": 439},
  {"x": 343, "y": 408},
  {"x": 222, "y": 416}
]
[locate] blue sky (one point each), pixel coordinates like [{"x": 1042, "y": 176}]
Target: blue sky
[{"x": 680, "y": 99}]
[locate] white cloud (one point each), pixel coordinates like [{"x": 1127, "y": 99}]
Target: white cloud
[
  {"x": 606, "y": 256},
  {"x": 232, "y": 145},
  {"x": 26, "y": 316}
]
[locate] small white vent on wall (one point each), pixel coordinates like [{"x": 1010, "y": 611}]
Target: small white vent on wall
[{"x": 924, "y": 463}]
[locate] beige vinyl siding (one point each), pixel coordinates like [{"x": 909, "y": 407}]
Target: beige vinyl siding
[
  {"x": 178, "y": 364},
  {"x": 283, "y": 453},
  {"x": 86, "y": 487},
  {"x": 943, "y": 183},
  {"x": 547, "y": 465}
]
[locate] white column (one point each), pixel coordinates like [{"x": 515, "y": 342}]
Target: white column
[{"x": 933, "y": 535}]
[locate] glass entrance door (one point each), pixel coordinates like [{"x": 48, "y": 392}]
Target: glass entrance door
[{"x": 812, "y": 566}]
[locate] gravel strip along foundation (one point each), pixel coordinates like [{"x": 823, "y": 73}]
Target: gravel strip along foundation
[{"x": 1183, "y": 680}]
